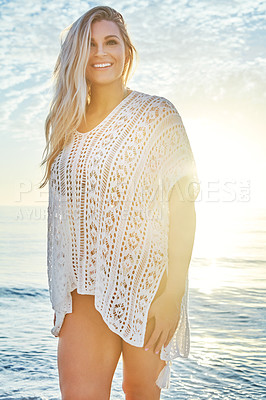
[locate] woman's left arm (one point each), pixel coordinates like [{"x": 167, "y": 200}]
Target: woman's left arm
[
  {"x": 166, "y": 308},
  {"x": 182, "y": 226}
]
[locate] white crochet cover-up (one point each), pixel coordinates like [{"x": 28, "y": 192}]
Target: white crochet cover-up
[{"x": 108, "y": 218}]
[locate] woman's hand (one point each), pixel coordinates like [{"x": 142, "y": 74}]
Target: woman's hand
[
  {"x": 54, "y": 318},
  {"x": 166, "y": 311}
]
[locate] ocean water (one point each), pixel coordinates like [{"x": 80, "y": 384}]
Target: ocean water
[{"x": 227, "y": 300}]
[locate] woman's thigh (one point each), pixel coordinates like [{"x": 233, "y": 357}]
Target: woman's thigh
[
  {"x": 141, "y": 368},
  {"x": 88, "y": 352}
]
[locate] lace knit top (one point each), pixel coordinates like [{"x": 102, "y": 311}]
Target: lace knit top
[{"x": 108, "y": 217}]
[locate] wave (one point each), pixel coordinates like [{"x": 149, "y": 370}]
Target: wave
[
  {"x": 23, "y": 292},
  {"x": 200, "y": 261}
]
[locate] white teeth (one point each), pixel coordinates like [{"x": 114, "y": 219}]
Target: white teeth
[{"x": 101, "y": 65}]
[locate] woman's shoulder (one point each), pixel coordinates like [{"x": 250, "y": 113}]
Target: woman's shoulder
[{"x": 156, "y": 102}]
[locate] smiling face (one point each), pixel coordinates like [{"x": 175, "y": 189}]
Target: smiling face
[{"x": 107, "y": 55}]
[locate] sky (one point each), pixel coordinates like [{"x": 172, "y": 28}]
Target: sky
[{"x": 207, "y": 57}]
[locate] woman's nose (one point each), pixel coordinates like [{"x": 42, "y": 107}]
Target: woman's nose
[{"x": 100, "y": 50}]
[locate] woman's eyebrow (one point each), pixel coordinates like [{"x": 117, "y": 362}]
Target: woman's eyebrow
[
  {"x": 106, "y": 37},
  {"x": 111, "y": 36}
]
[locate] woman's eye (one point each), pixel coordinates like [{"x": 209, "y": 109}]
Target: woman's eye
[{"x": 111, "y": 42}]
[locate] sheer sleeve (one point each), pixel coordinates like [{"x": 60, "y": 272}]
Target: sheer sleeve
[{"x": 173, "y": 154}]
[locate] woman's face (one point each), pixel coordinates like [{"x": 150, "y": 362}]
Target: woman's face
[{"x": 107, "y": 55}]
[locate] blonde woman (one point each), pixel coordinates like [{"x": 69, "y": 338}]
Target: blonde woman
[{"x": 119, "y": 246}]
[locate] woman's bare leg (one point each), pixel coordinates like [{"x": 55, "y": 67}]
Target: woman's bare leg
[
  {"x": 141, "y": 368},
  {"x": 88, "y": 352},
  {"x": 140, "y": 371}
]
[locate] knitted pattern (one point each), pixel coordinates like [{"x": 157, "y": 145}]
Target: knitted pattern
[{"x": 108, "y": 216}]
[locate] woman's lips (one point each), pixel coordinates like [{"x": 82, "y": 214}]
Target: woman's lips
[{"x": 101, "y": 66}]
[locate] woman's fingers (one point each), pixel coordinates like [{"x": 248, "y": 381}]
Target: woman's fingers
[
  {"x": 161, "y": 342},
  {"x": 165, "y": 338},
  {"x": 165, "y": 324},
  {"x": 160, "y": 337},
  {"x": 153, "y": 338},
  {"x": 169, "y": 337}
]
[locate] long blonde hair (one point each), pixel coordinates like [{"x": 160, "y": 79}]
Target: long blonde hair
[{"x": 71, "y": 89}]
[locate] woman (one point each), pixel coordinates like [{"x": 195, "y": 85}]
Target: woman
[{"x": 117, "y": 278}]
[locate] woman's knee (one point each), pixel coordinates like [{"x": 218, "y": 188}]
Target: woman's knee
[{"x": 141, "y": 390}]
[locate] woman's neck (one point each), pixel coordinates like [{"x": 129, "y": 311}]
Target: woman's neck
[{"x": 106, "y": 97}]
